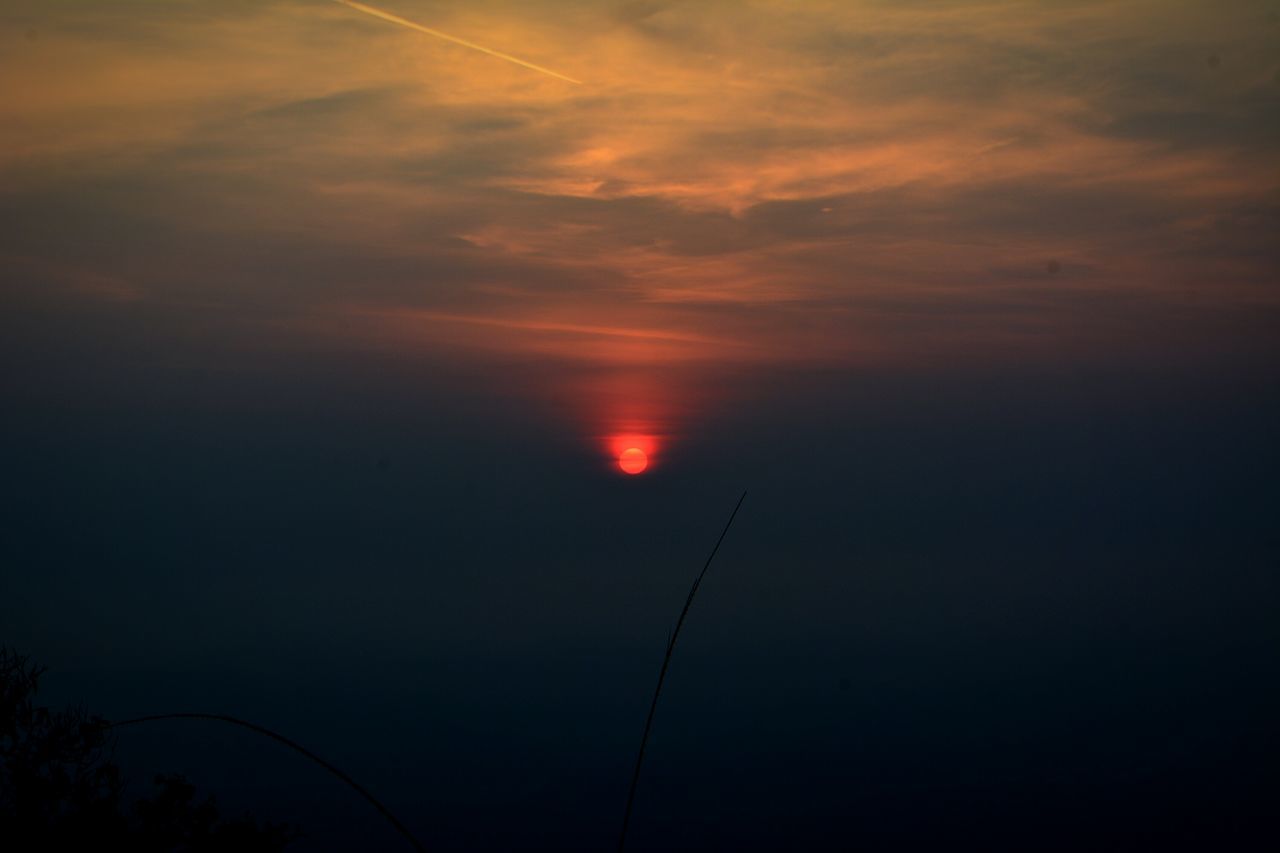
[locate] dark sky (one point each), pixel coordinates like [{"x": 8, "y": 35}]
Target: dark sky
[{"x": 318, "y": 336}]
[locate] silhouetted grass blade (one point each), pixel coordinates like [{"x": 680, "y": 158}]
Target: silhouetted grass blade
[
  {"x": 662, "y": 674},
  {"x": 360, "y": 789}
]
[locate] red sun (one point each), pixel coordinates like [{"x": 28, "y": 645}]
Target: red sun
[{"x": 633, "y": 460}]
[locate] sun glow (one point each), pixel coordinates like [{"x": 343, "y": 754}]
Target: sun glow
[
  {"x": 633, "y": 452},
  {"x": 633, "y": 460}
]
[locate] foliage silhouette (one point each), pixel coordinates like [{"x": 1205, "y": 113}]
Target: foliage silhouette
[{"x": 60, "y": 790}]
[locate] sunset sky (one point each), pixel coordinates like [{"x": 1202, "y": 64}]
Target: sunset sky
[
  {"x": 732, "y": 184},
  {"x": 306, "y": 314}
]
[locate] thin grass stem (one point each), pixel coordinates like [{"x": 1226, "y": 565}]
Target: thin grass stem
[{"x": 662, "y": 674}]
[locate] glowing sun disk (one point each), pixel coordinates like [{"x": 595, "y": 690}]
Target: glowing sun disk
[{"x": 633, "y": 460}]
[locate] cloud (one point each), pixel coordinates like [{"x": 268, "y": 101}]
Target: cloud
[{"x": 814, "y": 181}]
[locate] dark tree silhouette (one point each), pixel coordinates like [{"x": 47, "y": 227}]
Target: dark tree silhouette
[
  {"x": 60, "y": 790},
  {"x": 174, "y": 820}
]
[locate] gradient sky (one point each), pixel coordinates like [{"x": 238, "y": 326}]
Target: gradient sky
[
  {"x": 989, "y": 284},
  {"x": 733, "y": 184}
]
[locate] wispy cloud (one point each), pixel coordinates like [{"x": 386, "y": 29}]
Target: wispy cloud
[{"x": 826, "y": 181}]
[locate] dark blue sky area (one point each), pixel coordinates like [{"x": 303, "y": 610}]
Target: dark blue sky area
[{"x": 1032, "y": 607}]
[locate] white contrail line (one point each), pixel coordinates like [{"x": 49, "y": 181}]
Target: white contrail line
[{"x": 396, "y": 19}]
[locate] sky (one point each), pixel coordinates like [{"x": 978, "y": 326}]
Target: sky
[{"x": 320, "y": 337}]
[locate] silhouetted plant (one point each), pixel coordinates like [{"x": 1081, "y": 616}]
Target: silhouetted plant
[
  {"x": 662, "y": 673},
  {"x": 174, "y": 820},
  {"x": 60, "y": 790},
  {"x": 56, "y": 782}
]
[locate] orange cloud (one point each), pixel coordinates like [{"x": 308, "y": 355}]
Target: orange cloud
[{"x": 736, "y": 183}]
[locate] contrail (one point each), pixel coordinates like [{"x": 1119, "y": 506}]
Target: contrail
[{"x": 396, "y": 19}]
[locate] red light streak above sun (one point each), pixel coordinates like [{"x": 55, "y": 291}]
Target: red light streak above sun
[{"x": 634, "y": 452}]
